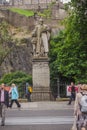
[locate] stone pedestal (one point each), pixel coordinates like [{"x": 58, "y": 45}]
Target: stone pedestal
[{"x": 41, "y": 79}]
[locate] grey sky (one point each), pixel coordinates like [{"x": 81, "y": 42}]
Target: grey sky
[{"x": 65, "y": 1}]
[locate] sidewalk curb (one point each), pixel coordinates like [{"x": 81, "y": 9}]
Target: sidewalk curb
[
  {"x": 62, "y": 99},
  {"x": 57, "y": 100}
]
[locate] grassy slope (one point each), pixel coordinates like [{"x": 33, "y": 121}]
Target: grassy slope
[{"x": 26, "y": 13}]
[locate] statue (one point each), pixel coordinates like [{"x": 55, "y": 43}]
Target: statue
[{"x": 40, "y": 39}]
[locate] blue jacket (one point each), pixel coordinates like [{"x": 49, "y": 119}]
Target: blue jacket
[{"x": 14, "y": 93}]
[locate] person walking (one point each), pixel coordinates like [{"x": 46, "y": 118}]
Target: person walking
[
  {"x": 14, "y": 96},
  {"x": 73, "y": 93},
  {"x": 80, "y": 108},
  {"x": 4, "y": 102},
  {"x": 28, "y": 92}
]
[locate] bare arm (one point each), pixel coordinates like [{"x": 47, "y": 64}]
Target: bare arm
[{"x": 77, "y": 104}]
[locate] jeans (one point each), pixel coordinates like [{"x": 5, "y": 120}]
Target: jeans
[{"x": 72, "y": 97}]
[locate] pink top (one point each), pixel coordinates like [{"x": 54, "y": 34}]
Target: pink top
[{"x": 2, "y": 95}]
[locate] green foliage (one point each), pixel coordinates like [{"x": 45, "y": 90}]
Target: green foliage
[
  {"x": 19, "y": 78},
  {"x": 26, "y": 13},
  {"x": 5, "y": 41},
  {"x": 47, "y": 12},
  {"x": 66, "y": 6},
  {"x": 4, "y": 32},
  {"x": 69, "y": 48},
  {"x": 16, "y": 77}
]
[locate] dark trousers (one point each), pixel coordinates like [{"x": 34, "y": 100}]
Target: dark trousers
[
  {"x": 29, "y": 97},
  {"x": 2, "y": 113},
  {"x": 16, "y": 101},
  {"x": 72, "y": 97}
]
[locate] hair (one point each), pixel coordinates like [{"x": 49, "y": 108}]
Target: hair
[
  {"x": 83, "y": 87},
  {"x": 13, "y": 84}
]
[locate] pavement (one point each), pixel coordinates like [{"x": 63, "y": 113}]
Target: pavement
[
  {"x": 44, "y": 105},
  {"x": 44, "y": 115}
]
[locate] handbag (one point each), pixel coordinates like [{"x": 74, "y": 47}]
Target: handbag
[{"x": 74, "y": 127}]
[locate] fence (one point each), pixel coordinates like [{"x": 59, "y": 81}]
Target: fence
[{"x": 59, "y": 88}]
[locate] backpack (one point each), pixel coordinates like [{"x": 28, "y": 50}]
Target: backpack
[
  {"x": 30, "y": 89},
  {"x": 83, "y": 103}
]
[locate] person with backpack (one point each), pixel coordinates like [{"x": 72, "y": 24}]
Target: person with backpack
[
  {"x": 80, "y": 109},
  {"x": 28, "y": 92},
  {"x": 73, "y": 93}
]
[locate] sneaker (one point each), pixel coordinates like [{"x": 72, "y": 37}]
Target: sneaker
[
  {"x": 2, "y": 124},
  {"x": 68, "y": 104},
  {"x": 19, "y": 107}
]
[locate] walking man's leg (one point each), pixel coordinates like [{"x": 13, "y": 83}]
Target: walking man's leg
[
  {"x": 70, "y": 100},
  {"x": 11, "y": 103},
  {"x": 0, "y": 110},
  {"x": 28, "y": 97},
  {"x": 3, "y": 115}
]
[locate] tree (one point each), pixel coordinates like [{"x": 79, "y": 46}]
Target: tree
[
  {"x": 6, "y": 44},
  {"x": 71, "y": 44}
]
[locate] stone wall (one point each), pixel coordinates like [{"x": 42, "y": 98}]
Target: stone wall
[
  {"x": 29, "y": 22},
  {"x": 30, "y": 2}
]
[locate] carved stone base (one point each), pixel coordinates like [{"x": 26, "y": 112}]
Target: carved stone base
[
  {"x": 38, "y": 95},
  {"x": 41, "y": 79}
]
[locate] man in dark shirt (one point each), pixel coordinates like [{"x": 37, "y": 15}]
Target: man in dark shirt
[
  {"x": 73, "y": 93},
  {"x": 4, "y": 102}
]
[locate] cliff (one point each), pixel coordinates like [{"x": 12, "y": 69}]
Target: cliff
[{"x": 20, "y": 56}]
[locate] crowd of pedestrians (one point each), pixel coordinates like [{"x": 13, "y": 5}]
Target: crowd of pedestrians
[
  {"x": 10, "y": 95},
  {"x": 80, "y": 98}
]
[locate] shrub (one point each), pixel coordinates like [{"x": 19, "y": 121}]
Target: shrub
[{"x": 19, "y": 78}]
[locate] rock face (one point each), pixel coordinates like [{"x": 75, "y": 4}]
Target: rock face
[
  {"x": 18, "y": 20},
  {"x": 19, "y": 59}
]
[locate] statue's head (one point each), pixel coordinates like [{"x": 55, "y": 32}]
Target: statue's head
[{"x": 41, "y": 21}]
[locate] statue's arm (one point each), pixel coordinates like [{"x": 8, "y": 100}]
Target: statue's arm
[{"x": 34, "y": 32}]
